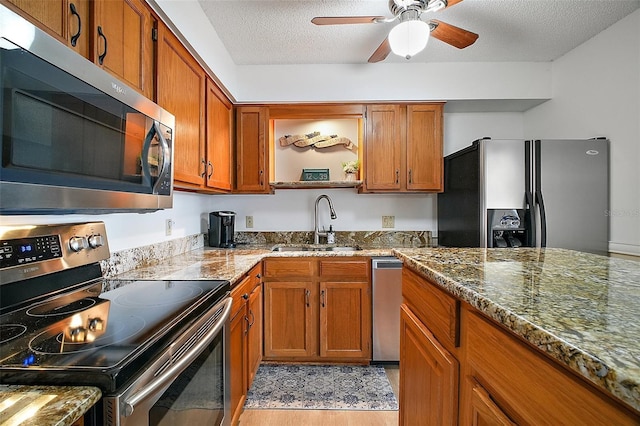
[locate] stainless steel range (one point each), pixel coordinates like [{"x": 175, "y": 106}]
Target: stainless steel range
[{"x": 158, "y": 350}]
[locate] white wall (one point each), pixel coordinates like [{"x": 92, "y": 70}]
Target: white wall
[{"x": 596, "y": 92}]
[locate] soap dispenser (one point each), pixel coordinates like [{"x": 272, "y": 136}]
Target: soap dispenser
[{"x": 331, "y": 236}]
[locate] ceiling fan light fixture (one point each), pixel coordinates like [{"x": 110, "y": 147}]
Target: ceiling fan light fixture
[{"x": 408, "y": 38}]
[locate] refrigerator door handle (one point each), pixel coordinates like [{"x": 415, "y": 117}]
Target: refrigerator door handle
[
  {"x": 530, "y": 218},
  {"x": 543, "y": 219}
]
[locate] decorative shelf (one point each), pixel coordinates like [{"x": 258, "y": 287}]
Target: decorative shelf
[{"x": 316, "y": 184}]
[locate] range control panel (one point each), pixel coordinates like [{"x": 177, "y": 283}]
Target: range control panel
[
  {"x": 26, "y": 250},
  {"x": 31, "y": 251}
]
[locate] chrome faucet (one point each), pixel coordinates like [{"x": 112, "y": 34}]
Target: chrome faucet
[{"x": 316, "y": 232}]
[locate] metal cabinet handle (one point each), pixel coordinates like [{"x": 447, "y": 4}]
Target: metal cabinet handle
[
  {"x": 307, "y": 294},
  {"x": 322, "y": 298},
  {"x": 204, "y": 168},
  {"x": 104, "y": 53},
  {"x": 258, "y": 276},
  {"x": 245, "y": 296},
  {"x": 246, "y": 330},
  {"x": 210, "y": 167},
  {"x": 410, "y": 178},
  {"x": 253, "y": 319},
  {"x": 261, "y": 178},
  {"x": 76, "y": 36},
  {"x": 397, "y": 176}
]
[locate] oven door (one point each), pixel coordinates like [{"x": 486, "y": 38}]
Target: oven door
[{"x": 187, "y": 384}]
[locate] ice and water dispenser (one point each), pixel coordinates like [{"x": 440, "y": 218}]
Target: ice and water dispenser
[{"x": 507, "y": 228}]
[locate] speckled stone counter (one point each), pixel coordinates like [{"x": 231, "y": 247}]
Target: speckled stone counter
[
  {"x": 45, "y": 405},
  {"x": 579, "y": 308}
]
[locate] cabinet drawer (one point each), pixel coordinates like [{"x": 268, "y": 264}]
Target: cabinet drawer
[
  {"x": 345, "y": 269},
  {"x": 242, "y": 288},
  {"x": 527, "y": 386},
  {"x": 279, "y": 268},
  {"x": 439, "y": 311}
]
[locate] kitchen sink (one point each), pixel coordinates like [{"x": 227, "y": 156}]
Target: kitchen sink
[{"x": 316, "y": 248}]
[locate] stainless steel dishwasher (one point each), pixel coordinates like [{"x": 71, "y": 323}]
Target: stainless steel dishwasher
[{"x": 387, "y": 297}]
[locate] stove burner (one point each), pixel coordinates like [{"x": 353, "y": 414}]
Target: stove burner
[
  {"x": 11, "y": 331},
  {"x": 54, "y": 308},
  {"x": 53, "y": 343},
  {"x": 171, "y": 295}
]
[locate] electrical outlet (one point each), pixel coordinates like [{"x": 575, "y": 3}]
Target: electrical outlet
[
  {"x": 249, "y": 221},
  {"x": 388, "y": 221},
  {"x": 168, "y": 227}
]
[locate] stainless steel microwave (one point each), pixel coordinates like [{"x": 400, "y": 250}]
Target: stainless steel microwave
[{"x": 74, "y": 138}]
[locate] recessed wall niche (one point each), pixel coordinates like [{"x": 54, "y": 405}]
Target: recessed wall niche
[{"x": 291, "y": 159}]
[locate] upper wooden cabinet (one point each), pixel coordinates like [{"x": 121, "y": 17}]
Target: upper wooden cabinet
[
  {"x": 403, "y": 148},
  {"x": 123, "y": 42},
  {"x": 252, "y": 155},
  {"x": 181, "y": 91},
  {"x": 115, "y": 34},
  {"x": 219, "y": 153},
  {"x": 66, "y": 20}
]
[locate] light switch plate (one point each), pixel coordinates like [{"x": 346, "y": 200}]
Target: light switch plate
[
  {"x": 249, "y": 221},
  {"x": 388, "y": 221}
]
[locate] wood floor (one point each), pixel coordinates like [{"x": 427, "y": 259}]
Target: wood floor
[{"x": 325, "y": 417}]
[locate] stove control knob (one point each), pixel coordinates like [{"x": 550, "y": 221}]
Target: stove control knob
[
  {"x": 96, "y": 324},
  {"x": 78, "y": 243},
  {"x": 96, "y": 241},
  {"x": 78, "y": 335}
]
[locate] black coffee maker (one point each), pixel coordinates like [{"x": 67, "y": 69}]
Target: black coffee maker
[{"x": 221, "y": 228}]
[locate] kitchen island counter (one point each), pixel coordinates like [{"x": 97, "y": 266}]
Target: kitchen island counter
[
  {"x": 45, "y": 405},
  {"x": 578, "y": 308}
]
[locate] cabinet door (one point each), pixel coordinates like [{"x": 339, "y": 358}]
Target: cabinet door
[
  {"x": 383, "y": 147},
  {"x": 254, "y": 338},
  {"x": 345, "y": 320},
  {"x": 238, "y": 363},
  {"x": 252, "y": 172},
  {"x": 219, "y": 159},
  {"x": 181, "y": 91},
  {"x": 66, "y": 20},
  {"x": 484, "y": 412},
  {"x": 428, "y": 376},
  {"x": 123, "y": 44},
  {"x": 424, "y": 148},
  {"x": 290, "y": 319}
]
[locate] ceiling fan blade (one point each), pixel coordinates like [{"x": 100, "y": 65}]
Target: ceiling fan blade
[
  {"x": 381, "y": 52},
  {"x": 452, "y": 35},
  {"x": 339, "y": 20},
  {"x": 452, "y": 2}
]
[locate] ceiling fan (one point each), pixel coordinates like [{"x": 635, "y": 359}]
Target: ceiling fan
[{"x": 410, "y": 36}]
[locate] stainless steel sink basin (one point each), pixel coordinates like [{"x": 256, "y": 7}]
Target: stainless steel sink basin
[{"x": 316, "y": 248}]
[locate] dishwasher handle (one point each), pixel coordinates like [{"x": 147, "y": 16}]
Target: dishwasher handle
[{"x": 386, "y": 263}]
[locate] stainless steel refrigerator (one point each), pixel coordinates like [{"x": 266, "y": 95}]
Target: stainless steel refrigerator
[{"x": 536, "y": 193}]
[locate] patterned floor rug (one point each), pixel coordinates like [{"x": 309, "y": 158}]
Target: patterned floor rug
[{"x": 321, "y": 387}]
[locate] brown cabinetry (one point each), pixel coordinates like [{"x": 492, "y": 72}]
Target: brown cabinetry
[
  {"x": 403, "y": 148},
  {"x": 218, "y": 142},
  {"x": 66, "y": 20},
  {"x": 317, "y": 308},
  {"x": 115, "y": 34},
  {"x": 448, "y": 346},
  {"x": 245, "y": 337},
  {"x": 124, "y": 45},
  {"x": 428, "y": 370},
  {"x": 252, "y": 155},
  {"x": 181, "y": 91},
  {"x": 504, "y": 378}
]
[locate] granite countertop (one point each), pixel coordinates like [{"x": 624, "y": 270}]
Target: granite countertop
[
  {"x": 45, "y": 405},
  {"x": 579, "y": 308}
]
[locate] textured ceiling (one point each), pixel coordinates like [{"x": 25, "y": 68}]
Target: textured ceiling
[{"x": 262, "y": 32}]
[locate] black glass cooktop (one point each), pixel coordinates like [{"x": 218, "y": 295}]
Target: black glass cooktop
[{"x": 88, "y": 337}]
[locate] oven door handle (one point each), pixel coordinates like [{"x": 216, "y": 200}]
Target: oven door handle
[{"x": 177, "y": 368}]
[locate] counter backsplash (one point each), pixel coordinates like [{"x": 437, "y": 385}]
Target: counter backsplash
[{"x": 129, "y": 259}]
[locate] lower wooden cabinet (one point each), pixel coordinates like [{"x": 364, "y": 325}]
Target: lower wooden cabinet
[
  {"x": 428, "y": 376},
  {"x": 245, "y": 337},
  {"x": 310, "y": 316},
  {"x": 459, "y": 367}
]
